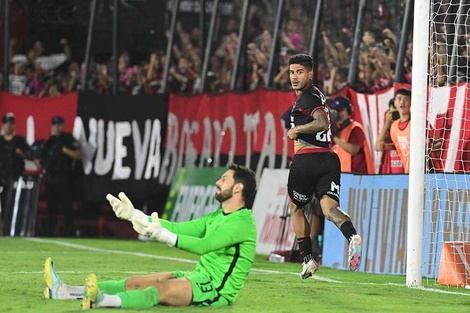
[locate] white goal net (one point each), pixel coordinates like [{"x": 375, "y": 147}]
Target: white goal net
[{"x": 446, "y": 223}]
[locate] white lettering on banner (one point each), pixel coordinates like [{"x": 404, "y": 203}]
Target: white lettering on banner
[
  {"x": 153, "y": 161},
  {"x": 269, "y": 144},
  {"x": 218, "y": 143},
  {"x": 186, "y": 154},
  {"x": 180, "y": 150},
  {"x": 285, "y": 147},
  {"x": 186, "y": 144},
  {"x": 140, "y": 147},
  {"x": 250, "y": 127},
  {"x": 116, "y": 150},
  {"x": 193, "y": 202},
  {"x": 229, "y": 124},
  {"x": 219, "y": 133},
  {"x": 206, "y": 143},
  {"x": 170, "y": 163},
  {"x": 104, "y": 164},
  {"x": 123, "y": 129},
  {"x": 461, "y": 252},
  {"x": 88, "y": 146}
]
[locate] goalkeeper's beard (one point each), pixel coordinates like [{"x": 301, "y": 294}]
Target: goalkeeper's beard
[{"x": 224, "y": 195}]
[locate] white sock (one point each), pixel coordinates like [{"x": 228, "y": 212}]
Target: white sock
[
  {"x": 66, "y": 292},
  {"x": 109, "y": 301}
]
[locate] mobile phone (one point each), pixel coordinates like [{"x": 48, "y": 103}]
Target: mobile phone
[{"x": 395, "y": 115}]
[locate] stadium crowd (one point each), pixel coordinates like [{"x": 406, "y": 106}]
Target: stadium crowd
[{"x": 35, "y": 73}]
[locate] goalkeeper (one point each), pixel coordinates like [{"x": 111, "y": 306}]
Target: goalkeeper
[{"x": 225, "y": 239}]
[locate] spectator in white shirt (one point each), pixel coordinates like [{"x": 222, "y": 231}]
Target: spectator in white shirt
[{"x": 46, "y": 62}]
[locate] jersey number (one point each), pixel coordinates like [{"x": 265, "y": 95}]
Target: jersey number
[
  {"x": 205, "y": 287},
  {"x": 321, "y": 136}
]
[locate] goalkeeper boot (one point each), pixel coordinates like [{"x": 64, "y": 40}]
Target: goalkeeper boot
[
  {"x": 92, "y": 296},
  {"x": 53, "y": 281},
  {"x": 354, "y": 253},
  {"x": 308, "y": 269}
]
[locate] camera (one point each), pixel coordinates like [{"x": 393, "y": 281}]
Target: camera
[
  {"x": 395, "y": 115},
  {"x": 334, "y": 115}
]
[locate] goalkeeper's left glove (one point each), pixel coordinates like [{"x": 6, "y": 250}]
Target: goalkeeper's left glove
[
  {"x": 151, "y": 228},
  {"x": 123, "y": 207}
]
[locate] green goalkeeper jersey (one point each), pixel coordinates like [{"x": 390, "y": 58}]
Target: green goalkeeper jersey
[{"x": 226, "y": 243}]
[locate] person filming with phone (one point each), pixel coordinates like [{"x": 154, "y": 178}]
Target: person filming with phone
[
  {"x": 391, "y": 162},
  {"x": 349, "y": 138}
]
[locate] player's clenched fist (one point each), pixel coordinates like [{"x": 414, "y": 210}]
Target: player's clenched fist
[
  {"x": 151, "y": 228},
  {"x": 123, "y": 207}
]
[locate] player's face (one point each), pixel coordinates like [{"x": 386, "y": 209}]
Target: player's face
[
  {"x": 300, "y": 77},
  {"x": 225, "y": 187},
  {"x": 403, "y": 104}
]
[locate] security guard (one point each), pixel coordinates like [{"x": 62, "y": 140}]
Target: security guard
[
  {"x": 59, "y": 160},
  {"x": 13, "y": 151}
]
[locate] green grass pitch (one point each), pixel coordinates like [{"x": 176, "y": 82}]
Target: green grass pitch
[{"x": 270, "y": 287}]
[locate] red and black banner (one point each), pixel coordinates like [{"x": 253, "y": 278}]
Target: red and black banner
[
  {"x": 137, "y": 143},
  {"x": 33, "y": 115},
  {"x": 213, "y": 130},
  {"x": 121, "y": 139}
]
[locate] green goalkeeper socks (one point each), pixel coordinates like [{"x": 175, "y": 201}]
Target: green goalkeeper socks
[
  {"x": 139, "y": 299},
  {"x": 112, "y": 287}
]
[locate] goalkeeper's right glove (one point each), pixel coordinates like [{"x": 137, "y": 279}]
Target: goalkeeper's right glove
[
  {"x": 151, "y": 228},
  {"x": 123, "y": 207}
]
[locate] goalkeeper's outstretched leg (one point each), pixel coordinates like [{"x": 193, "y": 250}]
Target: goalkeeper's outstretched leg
[{"x": 169, "y": 288}]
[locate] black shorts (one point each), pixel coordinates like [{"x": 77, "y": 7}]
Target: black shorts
[{"x": 318, "y": 172}]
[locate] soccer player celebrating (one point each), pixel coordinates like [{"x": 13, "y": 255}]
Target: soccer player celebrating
[
  {"x": 225, "y": 239},
  {"x": 314, "y": 167}
]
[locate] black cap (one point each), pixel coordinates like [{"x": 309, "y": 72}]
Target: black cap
[
  {"x": 340, "y": 103},
  {"x": 9, "y": 117},
  {"x": 57, "y": 120}
]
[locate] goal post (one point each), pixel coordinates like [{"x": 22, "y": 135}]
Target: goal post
[
  {"x": 417, "y": 146},
  {"x": 438, "y": 221}
]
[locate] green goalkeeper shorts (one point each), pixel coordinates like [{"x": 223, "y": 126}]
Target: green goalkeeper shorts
[{"x": 204, "y": 292}]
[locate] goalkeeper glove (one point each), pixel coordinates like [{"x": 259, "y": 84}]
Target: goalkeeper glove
[
  {"x": 151, "y": 228},
  {"x": 123, "y": 207}
]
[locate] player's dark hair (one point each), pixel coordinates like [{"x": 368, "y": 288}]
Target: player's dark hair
[
  {"x": 247, "y": 177},
  {"x": 403, "y": 91},
  {"x": 303, "y": 59}
]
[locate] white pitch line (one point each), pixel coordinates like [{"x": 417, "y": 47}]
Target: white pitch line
[
  {"x": 316, "y": 277},
  {"x": 151, "y": 256},
  {"x": 75, "y": 272},
  {"x": 76, "y": 246}
]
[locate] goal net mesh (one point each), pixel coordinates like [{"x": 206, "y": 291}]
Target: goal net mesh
[{"x": 446, "y": 242}]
